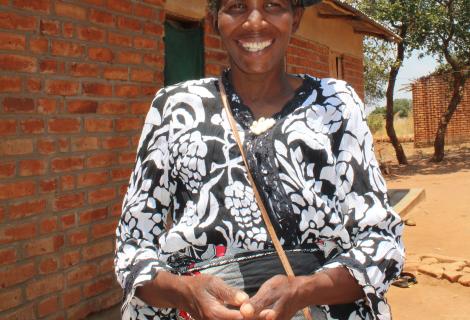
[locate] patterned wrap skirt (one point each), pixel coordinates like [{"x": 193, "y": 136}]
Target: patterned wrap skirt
[{"x": 248, "y": 271}]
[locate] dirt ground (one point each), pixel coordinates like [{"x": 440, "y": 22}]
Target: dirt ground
[{"x": 442, "y": 228}]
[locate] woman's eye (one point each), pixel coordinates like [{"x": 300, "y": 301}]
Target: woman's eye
[
  {"x": 273, "y": 5},
  {"x": 236, "y": 7}
]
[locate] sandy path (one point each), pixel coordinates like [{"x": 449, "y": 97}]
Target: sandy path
[{"x": 442, "y": 227}]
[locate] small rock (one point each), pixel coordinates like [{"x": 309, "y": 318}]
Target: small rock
[
  {"x": 466, "y": 270},
  {"x": 432, "y": 270},
  {"x": 452, "y": 276},
  {"x": 465, "y": 280},
  {"x": 410, "y": 222},
  {"x": 429, "y": 260},
  {"x": 441, "y": 258},
  {"x": 455, "y": 266}
]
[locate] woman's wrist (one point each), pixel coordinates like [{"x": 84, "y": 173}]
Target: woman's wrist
[{"x": 166, "y": 290}]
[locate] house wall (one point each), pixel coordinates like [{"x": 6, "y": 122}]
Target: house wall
[
  {"x": 431, "y": 96},
  {"x": 76, "y": 80}
]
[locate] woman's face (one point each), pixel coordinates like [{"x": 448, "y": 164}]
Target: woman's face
[{"x": 256, "y": 33}]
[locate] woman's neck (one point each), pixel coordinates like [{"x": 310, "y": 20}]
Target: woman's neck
[{"x": 265, "y": 93}]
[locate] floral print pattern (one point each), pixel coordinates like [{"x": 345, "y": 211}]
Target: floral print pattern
[{"x": 315, "y": 168}]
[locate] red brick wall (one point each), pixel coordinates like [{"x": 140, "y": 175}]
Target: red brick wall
[
  {"x": 431, "y": 96},
  {"x": 76, "y": 78}
]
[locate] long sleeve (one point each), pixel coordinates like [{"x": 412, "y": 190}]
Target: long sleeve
[
  {"x": 145, "y": 208},
  {"x": 374, "y": 253}
]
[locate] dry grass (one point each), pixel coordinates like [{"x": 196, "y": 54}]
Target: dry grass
[{"x": 403, "y": 128}]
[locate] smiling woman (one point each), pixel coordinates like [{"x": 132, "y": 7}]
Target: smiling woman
[{"x": 191, "y": 207}]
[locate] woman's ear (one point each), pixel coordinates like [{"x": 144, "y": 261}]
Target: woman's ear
[
  {"x": 212, "y": 19},
  {"x": 298, "y": 13}
]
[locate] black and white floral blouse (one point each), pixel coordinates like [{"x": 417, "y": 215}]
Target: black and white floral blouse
[{"x": 315, "y": 168}]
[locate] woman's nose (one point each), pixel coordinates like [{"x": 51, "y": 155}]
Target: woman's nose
[{"x": 255, "y": 19}]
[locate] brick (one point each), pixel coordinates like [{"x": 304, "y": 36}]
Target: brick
[
  {"x": 103, "y": 229},
  {"x": 89, "y": 216},
  {"x": 63, "y": 125},
  {"x": 84, "y": 143},
  {"x": 10, "y": 84},
  {"x": 129, "y": 57},
  {"x": 71, "y": 297},
  {"x": 82, "y": 310},
  {"x": 39, "y": 45},
  {"x": 33, "y": 85},
  {"x": 48, "y": 265},
  {"x": 10, "y": 299},
  {"x": 140, "y": 108},
  {"x": 124, "y": 6},
  {"x": 69, "y": 201},
  {"x": 116, "y": 73},
  {"x": 49, "y": 27},
  {"x": 142, "y": 75},
  {"x": 32, "y": 167},
  {"x": 48, "y": 225},
  {"x": 17, "y": 189},
  {"x": 18, "y": 105},
  {"x": 77, "y": 237},
  {"x": 46, "y": 106},
  {"x": 25, "y": 312},
  {"x": 99, "y": 286},
  {"x": 46, "y": 146},
  {"x": 154, "y": 60},
  {"x": 115, "y": 143},
  {"x": 9, "y": 41},
  {"x": 128, "y": 124},
  {"x": 113, "y": 108},
  {"x": 7, "y": 256},
  {"x": 16, "y": 147},
  {"x": 98, "y": 160},
  {"x": 107, "y": 265},
  {"x": 154, "y": 29},
  {"x": 70, "y": 11},
  {"x": 81, "y": 273},
  {"x": 13, "y": 21},
  {"x": 101, "y": 54},
  {"x": 66, "y": 49},
  {"x": 48, "y": 306},
  {"x": 91, "y": 34},
  {"x": 145, "y": 43},
  {"x": 99, "y": 249},
  {"x": 126, "y": 157},
  {"x": 84, "y": 69},
  {"x": 37, "y": 5},
  {"x": 44, "y": 246},
  {"x": 119, "y": 39},
  {"x": 71, "y": 258},
  {"x": 97, "y": 89},
  {"x": 101, "y": 195},
  {"x": 44, "y": 286},
  {"x": 32, "y": 126},
  {"x": 7, "y": 170},
  {"x": 101, "y": 17},
  {"x": 16, "y": 274},
  {"x": 127, "y": 91},
  {"x": 99, "y": 125},
  {"x": 68, "y": 29},
  {"x": 82, "y": 106},
  {"x": 129, "y": 24},
  {"x": 92, "y": 179},
  {"x": 27, "y": 209},
  {"x": 121, "y": 174},
  {"x": 145, "y": 11},
  {"x": 62, "y": 87},
  {"x": 7, "y": 127}
]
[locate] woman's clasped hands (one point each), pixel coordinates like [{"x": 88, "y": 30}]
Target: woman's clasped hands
[{"x": 209, "y": 297}]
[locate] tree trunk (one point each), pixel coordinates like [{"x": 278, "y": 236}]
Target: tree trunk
[
  {"x": 400, "y": 153},
  {"x": 457, "y": 92}
]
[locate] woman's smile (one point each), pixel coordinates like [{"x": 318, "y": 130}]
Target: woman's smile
[{"x": 255, "y": 46}]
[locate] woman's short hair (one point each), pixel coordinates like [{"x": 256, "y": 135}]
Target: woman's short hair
[{"x": 214, "y": 5}]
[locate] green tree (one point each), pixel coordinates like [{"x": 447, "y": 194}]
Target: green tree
[
  {"x": 402, "y": 107},
  {"x": 446, "y": 34},
  {"x": 404, "y": 18}
]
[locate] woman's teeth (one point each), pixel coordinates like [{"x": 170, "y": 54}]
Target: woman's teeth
[{"x": 256, "y": 46}]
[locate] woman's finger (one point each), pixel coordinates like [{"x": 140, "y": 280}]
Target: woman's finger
[{"x": 228, "y": 294}]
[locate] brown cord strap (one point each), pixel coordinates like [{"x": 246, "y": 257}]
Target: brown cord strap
[{"x": 272, "y": 233}]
